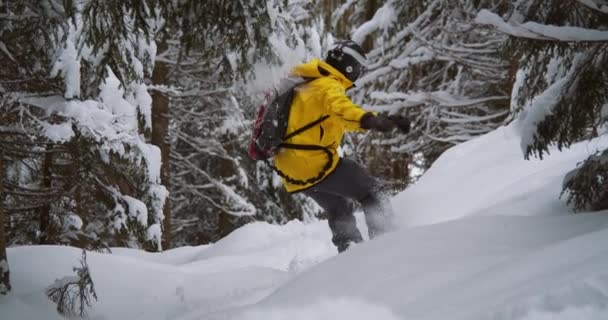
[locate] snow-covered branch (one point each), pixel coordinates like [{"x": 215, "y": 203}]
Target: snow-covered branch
[
  {"x": 537, "y": 31},
  {"x": 382, "y": 19},
  {"x": 447, "y": 75},
  {"x": 595, "y": 5},
  {"x": 440, "y": 98},
  {"x": 239, "y": 206}
]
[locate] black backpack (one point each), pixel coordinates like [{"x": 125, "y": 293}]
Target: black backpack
[{"x": 269, "y": 133}]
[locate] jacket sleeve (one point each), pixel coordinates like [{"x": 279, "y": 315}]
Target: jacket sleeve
[{"x": 339, "y": 104}]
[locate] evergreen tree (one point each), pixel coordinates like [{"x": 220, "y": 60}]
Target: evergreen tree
[
  {"x": 207, "y": 51},
  {"x": 74, "y": 114},
  {"x": 561, "y": 88}
]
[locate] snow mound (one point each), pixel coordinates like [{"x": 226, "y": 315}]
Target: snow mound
[
  {"x": 238, "y": 270},
  {"x": 489, "y": 176},
  {"x": 290, "y": 247}
]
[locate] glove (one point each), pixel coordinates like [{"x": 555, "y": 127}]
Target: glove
[
  {"x": 379, "y": 122},
  {"x": 383, "y": 123},
  {"x": 401, "y": 122}
]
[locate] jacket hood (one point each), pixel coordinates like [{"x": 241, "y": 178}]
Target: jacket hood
[{"x": 317, "y": 69}]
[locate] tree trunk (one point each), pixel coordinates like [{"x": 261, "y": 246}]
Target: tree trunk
[
  {"x": 45, "y": 211},
  {"x": 5, "y": 284},
  {"x": 160, "y": 135},
  {"x": 371, "y": 6}
]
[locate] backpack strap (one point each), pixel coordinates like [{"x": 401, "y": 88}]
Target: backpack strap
[
  {"x": 302, "y": 146},
  {"x": 306, "y": 127},
  {"x": 313, "y": 180}
]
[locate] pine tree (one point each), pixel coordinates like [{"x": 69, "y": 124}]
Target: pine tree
[
  {"x": 561, "y": 88},
  {"x": 74, "y": 110},
  {"x": 199, "y": 97}
]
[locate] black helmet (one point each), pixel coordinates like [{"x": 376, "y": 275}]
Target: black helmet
[{"x": 348, "y": 58}]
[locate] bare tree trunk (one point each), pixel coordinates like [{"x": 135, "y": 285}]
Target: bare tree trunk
[
  {"x": 160, "y": 135},
  {"x": 5, "y": 284},
  {"x": 370, "y": 10},
  {"x": 45, "y": 211}
]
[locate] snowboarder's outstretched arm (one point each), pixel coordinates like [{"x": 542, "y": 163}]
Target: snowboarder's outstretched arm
[
  {"x": 383, "y": 123},
  {"x": 356, "y": 118},
  {"x": 340, "y": 105}
]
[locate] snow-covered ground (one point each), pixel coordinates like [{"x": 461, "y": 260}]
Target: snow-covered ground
[{"x": 484, "y": 236}]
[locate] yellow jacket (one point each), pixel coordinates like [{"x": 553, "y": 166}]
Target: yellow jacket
[{"x": 324, "y": 96}]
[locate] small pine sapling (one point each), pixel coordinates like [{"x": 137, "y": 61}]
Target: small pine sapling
[{"x": 72, "y": 294}]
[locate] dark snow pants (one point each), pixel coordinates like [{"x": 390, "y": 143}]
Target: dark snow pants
[{"x": 335, "y": 194}]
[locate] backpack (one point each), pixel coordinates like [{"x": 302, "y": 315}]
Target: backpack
[{"x": 269, "y": 132}]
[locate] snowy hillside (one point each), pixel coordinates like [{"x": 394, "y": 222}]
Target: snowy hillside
[
  {"x": 484, "y": 236},
  {"x": 489, "y": 176}
]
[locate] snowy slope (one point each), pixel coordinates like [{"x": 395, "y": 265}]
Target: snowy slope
[
  {"x": 518, "y": 254},
  {"x": 488, "y": 175},
  {"x": 476, "y": 268},
  {"x": 485, "y": 237}
]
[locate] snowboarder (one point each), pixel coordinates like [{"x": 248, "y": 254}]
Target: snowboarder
[{"x": 308, "y": 161}]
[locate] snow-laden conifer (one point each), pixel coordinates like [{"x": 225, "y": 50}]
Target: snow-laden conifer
[
  {"x": 561, "y": 88},
  {"x": 75, "y": 114}
]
